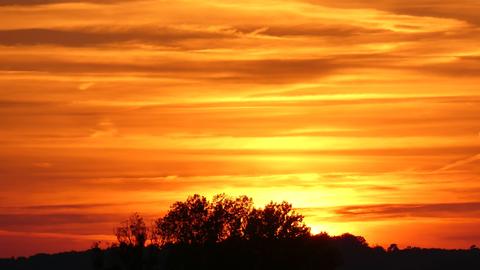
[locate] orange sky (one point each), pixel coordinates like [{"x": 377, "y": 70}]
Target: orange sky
[{"x": 364, "y": 114}]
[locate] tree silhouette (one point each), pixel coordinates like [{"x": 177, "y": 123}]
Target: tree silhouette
[
  {"x": 228, "y": 217},
  {"x": 198, "y": 221},
  {"x": 276, "y": 221},
  {"x": 393, "y": 248},
  {"x": 132, "y": 232},
  {"x": 185, "y": 222},
  {"x": 352, "y": 241}
]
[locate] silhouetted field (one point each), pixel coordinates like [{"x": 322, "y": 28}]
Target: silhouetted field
[
  {"x": 229, "y": 233},
  {"x": 317, "y": 252}
]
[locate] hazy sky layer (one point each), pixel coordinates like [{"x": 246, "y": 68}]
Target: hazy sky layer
[{"x": 363, "y": 114}]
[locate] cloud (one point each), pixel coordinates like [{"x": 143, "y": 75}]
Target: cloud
[
  {"x": 459, "y": 163},
  {"x": 105, "y": 128},
  {"x": 464, "y": 10},
  {"x": 85, "y": 86},
  {"x": 463, "y": 66},
  {"x": 68, "y": 206},
  {"x": 47, "y": 2},
  {"x": 311, "y": 30},
  {"x": 395, "y": 211},
  {"x": 258, "y": 71},
  {"x": 102, "y": 35},
  {"x": 11, "y": 221},
  {"x": 64, "y": 210}
]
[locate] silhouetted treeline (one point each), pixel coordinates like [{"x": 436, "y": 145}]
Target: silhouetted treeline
[
  {"x": 229, "y": 233},
  {"x": 198, "y": 221}
]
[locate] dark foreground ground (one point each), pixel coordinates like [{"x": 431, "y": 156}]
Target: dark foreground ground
[{"x": 317, "y": 252}]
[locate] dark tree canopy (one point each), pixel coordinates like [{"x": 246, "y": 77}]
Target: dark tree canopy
[
  {"x": 199, "y": 221},
  {"x": 228, "y": 217},
  {"x": 276, "y": 221},
  {"x": 393, "y": 248},
  {"x": 185, "y": 222}
]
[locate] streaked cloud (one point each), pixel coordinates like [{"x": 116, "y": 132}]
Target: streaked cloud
[
  {"x": 460, "y": 163},
  {"x": 461, "y": 10},
  {"x": 107, "y": 35},
  {"x": 46, "y": 2},
  {"x": 395, "y": 211}
]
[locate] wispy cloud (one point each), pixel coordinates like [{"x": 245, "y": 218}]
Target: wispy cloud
[
  {"x": 395, "y": 211},
  {"x": 459, "y": 163},
  {"x": 46, "y": 2},
  {"x": 461, "y": 10},
  {"x": 106, "y": 35}
]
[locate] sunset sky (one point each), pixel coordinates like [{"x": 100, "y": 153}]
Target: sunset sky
[{"x": 363, "y": 114}]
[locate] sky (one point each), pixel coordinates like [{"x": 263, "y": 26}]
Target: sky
[{"x": 365, "y": 115}]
